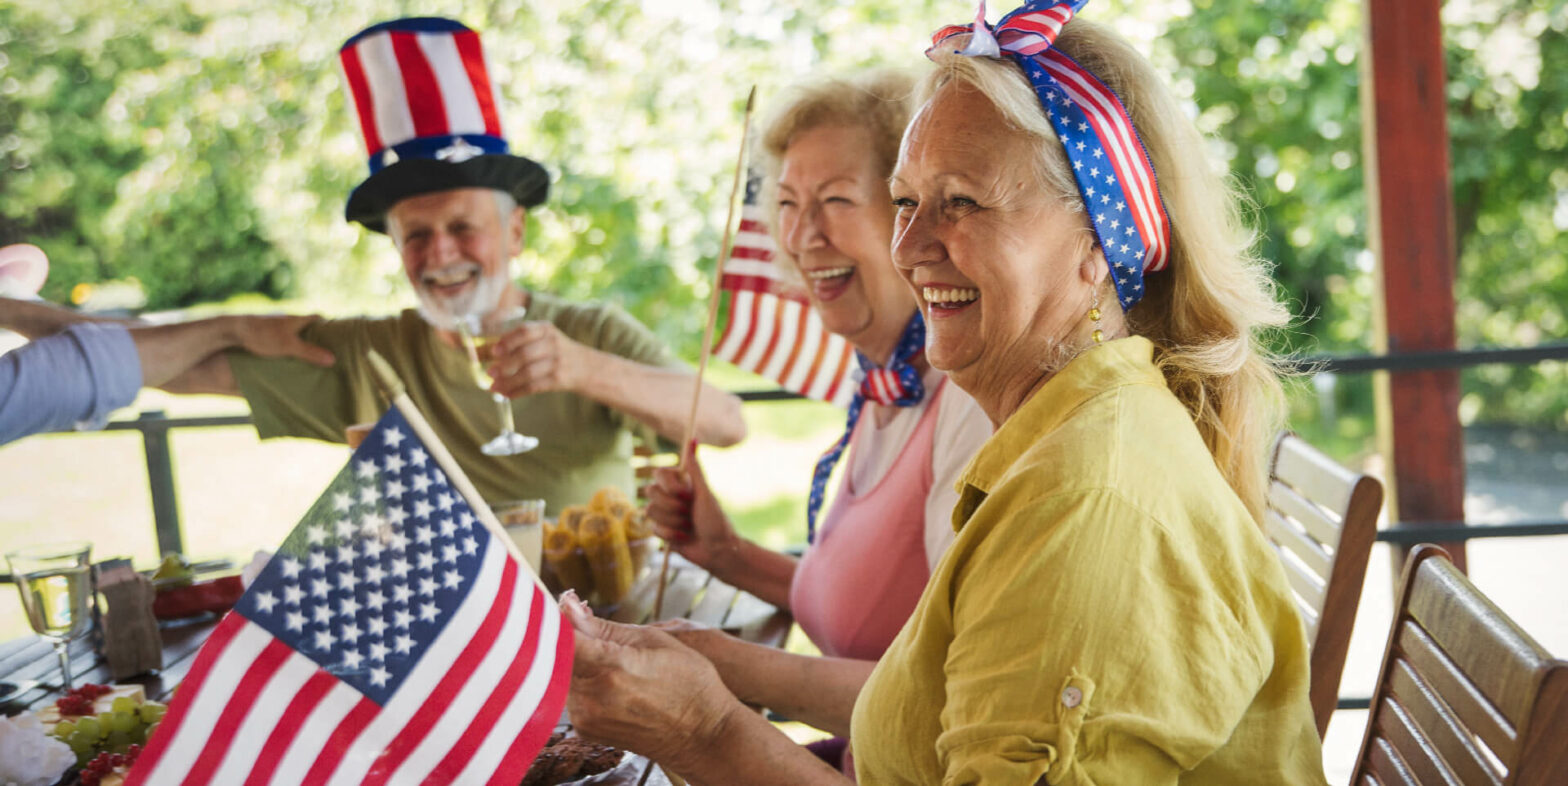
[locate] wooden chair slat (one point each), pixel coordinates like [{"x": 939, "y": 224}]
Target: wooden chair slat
[
  {"x": 1437, "y": 722},
  {"x": 1387, "y": 767},
  {"x": 1416, "y": 753},
  {"x": 1320, "y": 524},
  {"x": 1314, "y": 474},
  {"x": 1308, "y": 585},
  {"x": 1287, "y": 536},
  {"x": 1499, "y": 658},
  {"x": 1457, "y": 691},
  {"x": 1545, "y": 760},
  {"x": 748, "y": 609},
  {"x": 1309, "y": 617}
]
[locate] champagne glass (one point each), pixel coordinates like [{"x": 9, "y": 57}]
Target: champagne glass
[
  {"x": 479, "y": 337},
  {"x": 56, "y": 590}
]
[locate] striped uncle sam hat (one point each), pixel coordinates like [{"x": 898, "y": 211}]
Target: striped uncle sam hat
[{"x": 431, "y": 118}]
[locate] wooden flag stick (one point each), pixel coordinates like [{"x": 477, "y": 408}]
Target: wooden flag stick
[
  {"x": 393, "y": 386},
  {"x": 713, "y": 318}
]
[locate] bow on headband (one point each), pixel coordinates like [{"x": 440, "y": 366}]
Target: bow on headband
[{"x": 1114, "y": 175}]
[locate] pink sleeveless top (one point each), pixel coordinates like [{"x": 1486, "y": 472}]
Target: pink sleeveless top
[{"x": 859, "y": 582}]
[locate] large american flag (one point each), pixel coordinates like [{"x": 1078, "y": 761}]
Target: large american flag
[
  {"x": 772, "y": 329},
  {"x": 392, "y": 639}
]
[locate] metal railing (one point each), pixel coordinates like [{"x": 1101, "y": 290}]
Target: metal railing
[{"x": 154, "y": 427}]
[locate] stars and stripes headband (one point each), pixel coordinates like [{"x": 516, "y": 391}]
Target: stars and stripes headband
[{"x": 1115, "y": 177}]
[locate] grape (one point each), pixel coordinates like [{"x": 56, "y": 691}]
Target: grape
[
  {"x": 124, "y": 704},
  {"x": 118, "y": 741},
  {"x": 64, "y": 729},
  {"x": 88, "y": 726},
  {"x": 152, "y": 712},
  {"x": 105, "y": 723},
  {"x": 124, "y": 721},
  {"x": 151, "y": 727}
]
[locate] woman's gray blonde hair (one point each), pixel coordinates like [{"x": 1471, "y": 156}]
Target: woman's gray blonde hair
[{"x": 1206, "y": 312}]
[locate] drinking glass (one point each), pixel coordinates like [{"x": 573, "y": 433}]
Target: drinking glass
[
  {"x": 479, "y": 337},
  {"x": 523, "y": 521},
  {"x": 56, "y": 589}
]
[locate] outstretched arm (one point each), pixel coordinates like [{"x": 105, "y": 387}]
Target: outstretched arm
[
  {"x": 536, "y": 357},
  {"x": 186, "y": 357},
  {"x": 36, "y": 319}
]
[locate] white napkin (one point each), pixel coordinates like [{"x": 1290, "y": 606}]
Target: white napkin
[{"x": 28, "y": 756}]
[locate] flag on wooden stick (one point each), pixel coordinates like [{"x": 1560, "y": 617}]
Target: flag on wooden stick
[
  {"x": 772, "y": 330},
  {"x": 394, "y": 637}
]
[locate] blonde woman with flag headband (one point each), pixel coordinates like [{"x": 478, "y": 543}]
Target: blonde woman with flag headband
[
  {"x": 1110, "y": 611},
  {"x": 830, "y": 146}
]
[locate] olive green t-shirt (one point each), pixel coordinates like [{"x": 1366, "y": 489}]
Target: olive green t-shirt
[{"x": 583, "y": 445}]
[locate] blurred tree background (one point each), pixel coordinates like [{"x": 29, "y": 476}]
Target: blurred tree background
[{"x": 202, "y": 150}]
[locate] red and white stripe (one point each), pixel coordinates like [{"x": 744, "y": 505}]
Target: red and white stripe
[
  {"x": 774, "y": 334},
  {"x": 1030, "y": 34},
  {"x": 252, "y": 711},
  {"x": 408, "y": 85},
  {"x": 1126, "y": 153}
]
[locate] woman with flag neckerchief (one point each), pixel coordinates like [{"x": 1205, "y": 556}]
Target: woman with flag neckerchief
[
  {"x": 830, "y": 146},
  {"x": 1110, "y": 611}
]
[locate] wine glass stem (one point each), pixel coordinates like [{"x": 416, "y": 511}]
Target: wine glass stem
[
  {"x": 503, "y": 407},
  {"x": 65, "y": 664}
]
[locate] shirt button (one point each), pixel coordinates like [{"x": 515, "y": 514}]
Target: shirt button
[{"x": 1071, "y": 697}]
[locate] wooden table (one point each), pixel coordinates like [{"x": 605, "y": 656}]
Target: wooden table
[{"x": 691, "y": 594}]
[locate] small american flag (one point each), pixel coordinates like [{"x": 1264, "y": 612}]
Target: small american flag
[
  {"x": 772, "y": 329},
  {"x": 392, "y": 639}
]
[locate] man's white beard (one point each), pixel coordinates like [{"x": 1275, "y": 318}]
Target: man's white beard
[{"x": 478, "y": 301}]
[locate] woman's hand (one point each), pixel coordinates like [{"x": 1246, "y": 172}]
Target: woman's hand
[
  {"x": 640, "y": 689},
  {"x": 686, "y": 514}
]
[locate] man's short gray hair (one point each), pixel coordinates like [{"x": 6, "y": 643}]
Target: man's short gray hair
[{"x": 505, "y": 203}]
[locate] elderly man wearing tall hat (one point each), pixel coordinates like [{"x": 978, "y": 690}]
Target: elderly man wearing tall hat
[{"x": 581, "y": 377}]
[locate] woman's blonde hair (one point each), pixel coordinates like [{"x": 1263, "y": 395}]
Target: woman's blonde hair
[
  {"x": 878, "y": 100},
  {"x": 1206, "y": 311}
]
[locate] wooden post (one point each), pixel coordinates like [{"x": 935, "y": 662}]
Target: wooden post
[{"x": 1411, "y": 230}]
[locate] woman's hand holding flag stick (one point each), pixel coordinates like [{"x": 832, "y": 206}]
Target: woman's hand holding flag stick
[{"x": 713, "y": 316}]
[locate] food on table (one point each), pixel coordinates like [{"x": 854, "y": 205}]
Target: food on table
[
  {"x": 563, "y": 556},
  {"x": 110, "y": 769},
  {"x": 598, "y": 548},
  {"x": 569, "y": 758},
  {"x": 215, "y": 595},
  {"x": 97, "y": 719},
  {"x": 609, "y": 558},
  {"x": 173, "y": 571}
]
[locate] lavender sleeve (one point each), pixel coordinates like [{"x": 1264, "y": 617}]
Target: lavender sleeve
[{"x": 78, "y": 376}]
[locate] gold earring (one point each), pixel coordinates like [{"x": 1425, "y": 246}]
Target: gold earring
[{"x": 1094, "y": 318}]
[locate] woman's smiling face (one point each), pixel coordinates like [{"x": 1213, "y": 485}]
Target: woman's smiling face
[
  {"x": 836, "y": 222},
  {"x": 1003, "y": 272}
]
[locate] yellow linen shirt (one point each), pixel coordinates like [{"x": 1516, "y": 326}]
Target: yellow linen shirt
[{"x": 1109, "y": 614}]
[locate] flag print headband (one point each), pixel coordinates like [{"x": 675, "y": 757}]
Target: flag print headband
[{"x": 1112, "y": 168}]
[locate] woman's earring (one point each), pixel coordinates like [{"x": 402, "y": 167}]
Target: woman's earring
[{"x": 1094, "y": 318}]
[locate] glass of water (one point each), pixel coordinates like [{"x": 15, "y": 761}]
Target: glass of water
[{"x": 56, "y": 585}]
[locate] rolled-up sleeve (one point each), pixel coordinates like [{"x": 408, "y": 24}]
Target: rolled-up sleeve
[{"x": 75, "y": 378}]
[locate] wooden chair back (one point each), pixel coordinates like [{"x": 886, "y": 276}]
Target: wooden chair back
[
  {"x": 1323, "y": 518},
  {"x": 1464, "y": 695}
]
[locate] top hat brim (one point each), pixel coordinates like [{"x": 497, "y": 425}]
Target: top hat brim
[{"x": 523, "y": 178}]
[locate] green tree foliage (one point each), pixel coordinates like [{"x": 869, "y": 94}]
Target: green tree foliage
[{"x": 205, "y": 148}]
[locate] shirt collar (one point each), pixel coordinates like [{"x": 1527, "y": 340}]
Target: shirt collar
[{"x": 1127, "y": 361}]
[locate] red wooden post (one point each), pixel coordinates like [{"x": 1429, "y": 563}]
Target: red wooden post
[{"x": 1411, "y": 228}]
